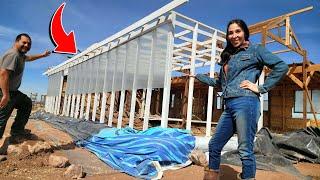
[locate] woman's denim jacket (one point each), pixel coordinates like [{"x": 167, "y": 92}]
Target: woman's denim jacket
[{"x": 247, "y": 64}]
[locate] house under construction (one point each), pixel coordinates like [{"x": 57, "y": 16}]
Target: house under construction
[{"x": 139, "y": 75}]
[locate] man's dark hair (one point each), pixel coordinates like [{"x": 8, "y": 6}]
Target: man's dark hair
[{"x": 22, "y": 34}]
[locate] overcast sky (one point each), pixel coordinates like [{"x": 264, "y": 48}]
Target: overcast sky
[{"x": 95, "y": 20}]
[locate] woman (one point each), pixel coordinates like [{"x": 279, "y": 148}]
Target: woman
[{"x": 241, "y": 65}]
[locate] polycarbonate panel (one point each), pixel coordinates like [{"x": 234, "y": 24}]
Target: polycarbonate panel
[
  {"x": 55, "y": 87},
  {"x": 96, "y": 65},
  {"x": 87, "y": 77},
  {"x": 80, "y": 82},
  {"x": 54, "y": 83},
  {"x": 111, "y": 59},
  {"x": 57, "y": 83},
  {"x": 77, "y": 79},
  {"x": 74, "y": 75},
  {"x": 95, "y": 69},
  {"x": 71, "y": 82},
  {"x": 132, "y": 48},
  {"x": 144, "y": 56},
  {"x": 67, "y": 85},
  {"x": 120, "y": 67},
  {"x": 90, "y": 74},
  {"x": 51, "y": 92},
  {"x": 101, "y": 71},
  {"x": 160, "y": 56},
  {"x": 84, "y": 84},
  {"x": 49, "y": 85},
  {"x": 93, "y": 73}
]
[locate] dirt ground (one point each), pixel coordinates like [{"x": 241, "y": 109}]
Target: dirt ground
[{"x": 24, "y": 165}]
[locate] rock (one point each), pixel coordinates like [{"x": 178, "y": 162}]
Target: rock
[
  {"x": 3, "y": 158},
  {"x": 58, "y": 161},
  {"x": 40, "y": 147},
  {"x": 75, "y": 172},
  {"x": 14, "y": 149},
  {"x": 198, "y": 158}
]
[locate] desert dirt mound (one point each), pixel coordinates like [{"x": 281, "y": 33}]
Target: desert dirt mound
[{"x": 24, "y": 162}]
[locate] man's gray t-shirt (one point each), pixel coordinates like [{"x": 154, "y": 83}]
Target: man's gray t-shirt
[{"x": 13, "y": 61}]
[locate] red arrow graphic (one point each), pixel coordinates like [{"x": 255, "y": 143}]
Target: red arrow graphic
[{"x": 64, "y": 43}]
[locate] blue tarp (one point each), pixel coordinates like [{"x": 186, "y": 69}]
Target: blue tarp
[{"x": 134, "y": 152}]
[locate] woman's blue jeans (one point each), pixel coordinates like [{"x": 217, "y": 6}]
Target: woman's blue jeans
[{"x": 241, "y": 115}]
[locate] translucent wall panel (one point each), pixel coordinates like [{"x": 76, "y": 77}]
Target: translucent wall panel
[
  {"x": 49, "y": 85},
  {"x": 74, "y": 76},
  {"x": 101, "y": 72},
  {"x": 132, "y": 48},
  {"x": 82, "y": 78},
  {"x": 72, "y": 80},
  {"x": 145, "y": 43},
  {"x": 93, "y": 73},
  {"x": 90, "y": 75},
  {"x": 120, "y": 67},
  {"x": 159, "y": 56},
  {"x": 77, "y": 79},
  {"x": 75, "y": 84},
  {"x": 87, "y": 77},
  {"x": 54, "y": 83},
  {"x": 68, "y": 85},
  {"x": 58, "y": 83},
  {"x": 96, "y": 64},
  {"x": 110, "y": 70}
]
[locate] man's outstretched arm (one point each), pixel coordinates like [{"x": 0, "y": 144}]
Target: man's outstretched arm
[
  {"x": 37, "y": 56},
  {"x": 4, "y": 85}
]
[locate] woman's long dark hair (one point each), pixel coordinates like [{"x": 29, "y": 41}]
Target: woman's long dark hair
[{"x": 229, "y": 50}]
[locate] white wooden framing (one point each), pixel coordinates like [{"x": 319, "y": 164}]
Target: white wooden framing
[
  {"x": 95, "y": 106},
  {"x": 150, "y": 79},
  {"x": 120, "y": 115},
  {"x": 88, "y": 106},
  {"x": 134, "y": 88},
  {"x": 210, "y": 89},
  {"x": 122, "y": 95},
  {"x": 76, "y": 115},
  {"x": 104, "y": 94},
  {"x": 73, "y": 96},
  {"x": 83, "y": 99},
  {"x": 64, "y": 109},
  {"x": 113, "y": 95},
  {"x": 110, "y": 119},
  {"x": 167, "y": 80},
  {"x": 180, "y": 56},
  {"x": 103, "y": 107},
  {"x": 68, "y": 105},
  {"x": 191, "y": 80},
  {"x": 132, "y": 107},
  {"x": 96, "y": 96}
]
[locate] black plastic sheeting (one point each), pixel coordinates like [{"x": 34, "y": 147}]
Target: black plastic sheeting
[
  {"x": 279, "y": 152},
  {"x": 78, "y": 129}
]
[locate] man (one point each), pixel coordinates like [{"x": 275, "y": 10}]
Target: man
[{"x": 11, "y": 71}]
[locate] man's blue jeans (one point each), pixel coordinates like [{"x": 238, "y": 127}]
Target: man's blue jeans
[{"x": 241, "y": 115}]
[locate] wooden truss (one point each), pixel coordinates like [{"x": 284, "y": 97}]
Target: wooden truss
[{"x": 289, "y": 40}]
